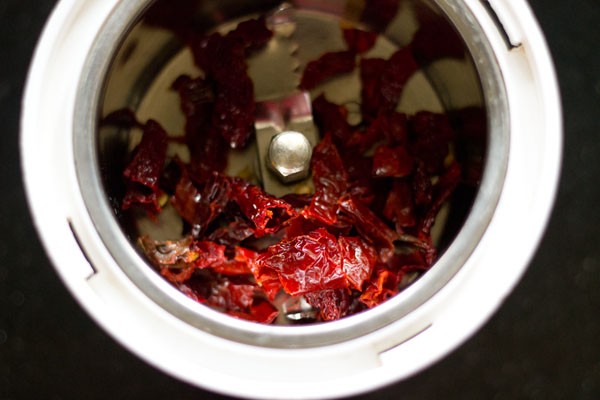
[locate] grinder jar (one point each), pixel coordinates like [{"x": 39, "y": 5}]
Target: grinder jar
[{"x": 100, "y": 56}]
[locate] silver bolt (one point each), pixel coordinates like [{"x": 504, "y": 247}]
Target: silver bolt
[{"x": 289, "y": 156}]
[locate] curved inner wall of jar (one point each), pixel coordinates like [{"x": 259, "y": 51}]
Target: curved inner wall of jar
[{"x": 145, "y": 59}]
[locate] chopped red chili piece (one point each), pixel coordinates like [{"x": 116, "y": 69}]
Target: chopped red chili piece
[
  {"x": 223, "y": 293},
  {"x": 326, "y": 67},
  {"x": 383, "y": 285},
  {"x": 260, "y": 311},
  {"x": 200, "y": 205},
  {"x": 230, "y": 49},
  {"x": 332, "y": 304},
  {"x": 209, "y": 152},
  {"x": 197, "y": 99},
  {"x": 389, "y": 128},
  {"x": 178, "y": 260},
  {"x": 233, "y": 233},
  {"x": 298, "y": 201},
  {"x": 383, "y": 82},
  {"x": 399, "y": 68},
  {"x": 435, "y": 38},
  {"x": 399, "y": 206},
  {"x": 379, "y": 13},
  {"x": 234, "y": 111},
  {"x": 392, "y": 161},
  {"x": 371, "y": 70},
  {"x": 394, "y": 127},
  {"x": 431, "y": 137},
  {"x": 445, "y": 186},
  {"x": 358, "y": 40},
  {"x": 253, "y": 34},
  {"x": 267, "y": 279},
  {"x": 422, "y": 187},
  {"x": 227, "y": 295},
  {"x": 306, "y": 263},
  {"x": 208, "y": 254},
  {"x": 143, "y": 172},
  {"x": 331, "y": 119},
  {"x": 331, "y": 182},
  {"x": 358, "y": 260},
  {"x": 208, "y": 148},
  {"x": 170, "y": 252},
  {"x": 266, "y": 212},
  {"x": 300, "y": 225},
  {"x": 370, "y": 226},
  {"x": 221, "y": 58}
]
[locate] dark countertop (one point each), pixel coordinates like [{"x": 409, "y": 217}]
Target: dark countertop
[{"x": 543, "y": 343}]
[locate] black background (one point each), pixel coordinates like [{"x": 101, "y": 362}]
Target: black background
[{"x": 544, "y": 343}]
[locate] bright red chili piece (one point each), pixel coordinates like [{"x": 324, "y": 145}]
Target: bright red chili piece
[
  {"x": 331, "y": 182},
  {"x": 306, "y": 263},
  {"x": 265, "y": 211},
  {"x": 358, "y": 260}
]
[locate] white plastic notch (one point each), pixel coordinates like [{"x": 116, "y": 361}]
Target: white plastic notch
[
  {"x": 505, "y": 15},
  {"x": 89, "y": 269}
]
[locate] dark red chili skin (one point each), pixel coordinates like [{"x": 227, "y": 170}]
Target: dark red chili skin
[
  {"x": 326, "y": 67},
  {"x": 222, "y": 57},
  {"x": 378, "y": 14},
  {"x": 370, "y": 226},
  {"x": 142, "y": 174},
  {"x": 358, "y": 40},
  {"x": 383, "y": 81}
]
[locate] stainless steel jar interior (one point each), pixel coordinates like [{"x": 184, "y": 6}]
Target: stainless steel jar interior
[{"x": 129, "y": 56}]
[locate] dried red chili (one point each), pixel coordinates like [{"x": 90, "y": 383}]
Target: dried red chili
[
  {"x": 332, "y": 304},
  {"x": 392, "y": 162},
  {"x": 399, "y": 206},
  {"x": 445, "y": 186},
  {"x": 358, "y": 260},
  {"x": 331, "y": 119},
  {"x": 307, "y": 263},
  {"x": 266, "y": 212},
  {"x": 431, "y": 137},
  {"x": 370, "y": 226},
  {"x": 383, "y": 81},
  {"x": 435, "y": 39},
  {"x": 222, "y": 57},
  {"x": 143, "y": 172},
  {"x": 358, "y": 40},
  {"x": 326, "y": 67},
  {"x": 200, "y": 205},
  {"x": 383, "y": 285},
  {"x": 380, "y": 13},
  {"x": 331, "y": 182}
]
